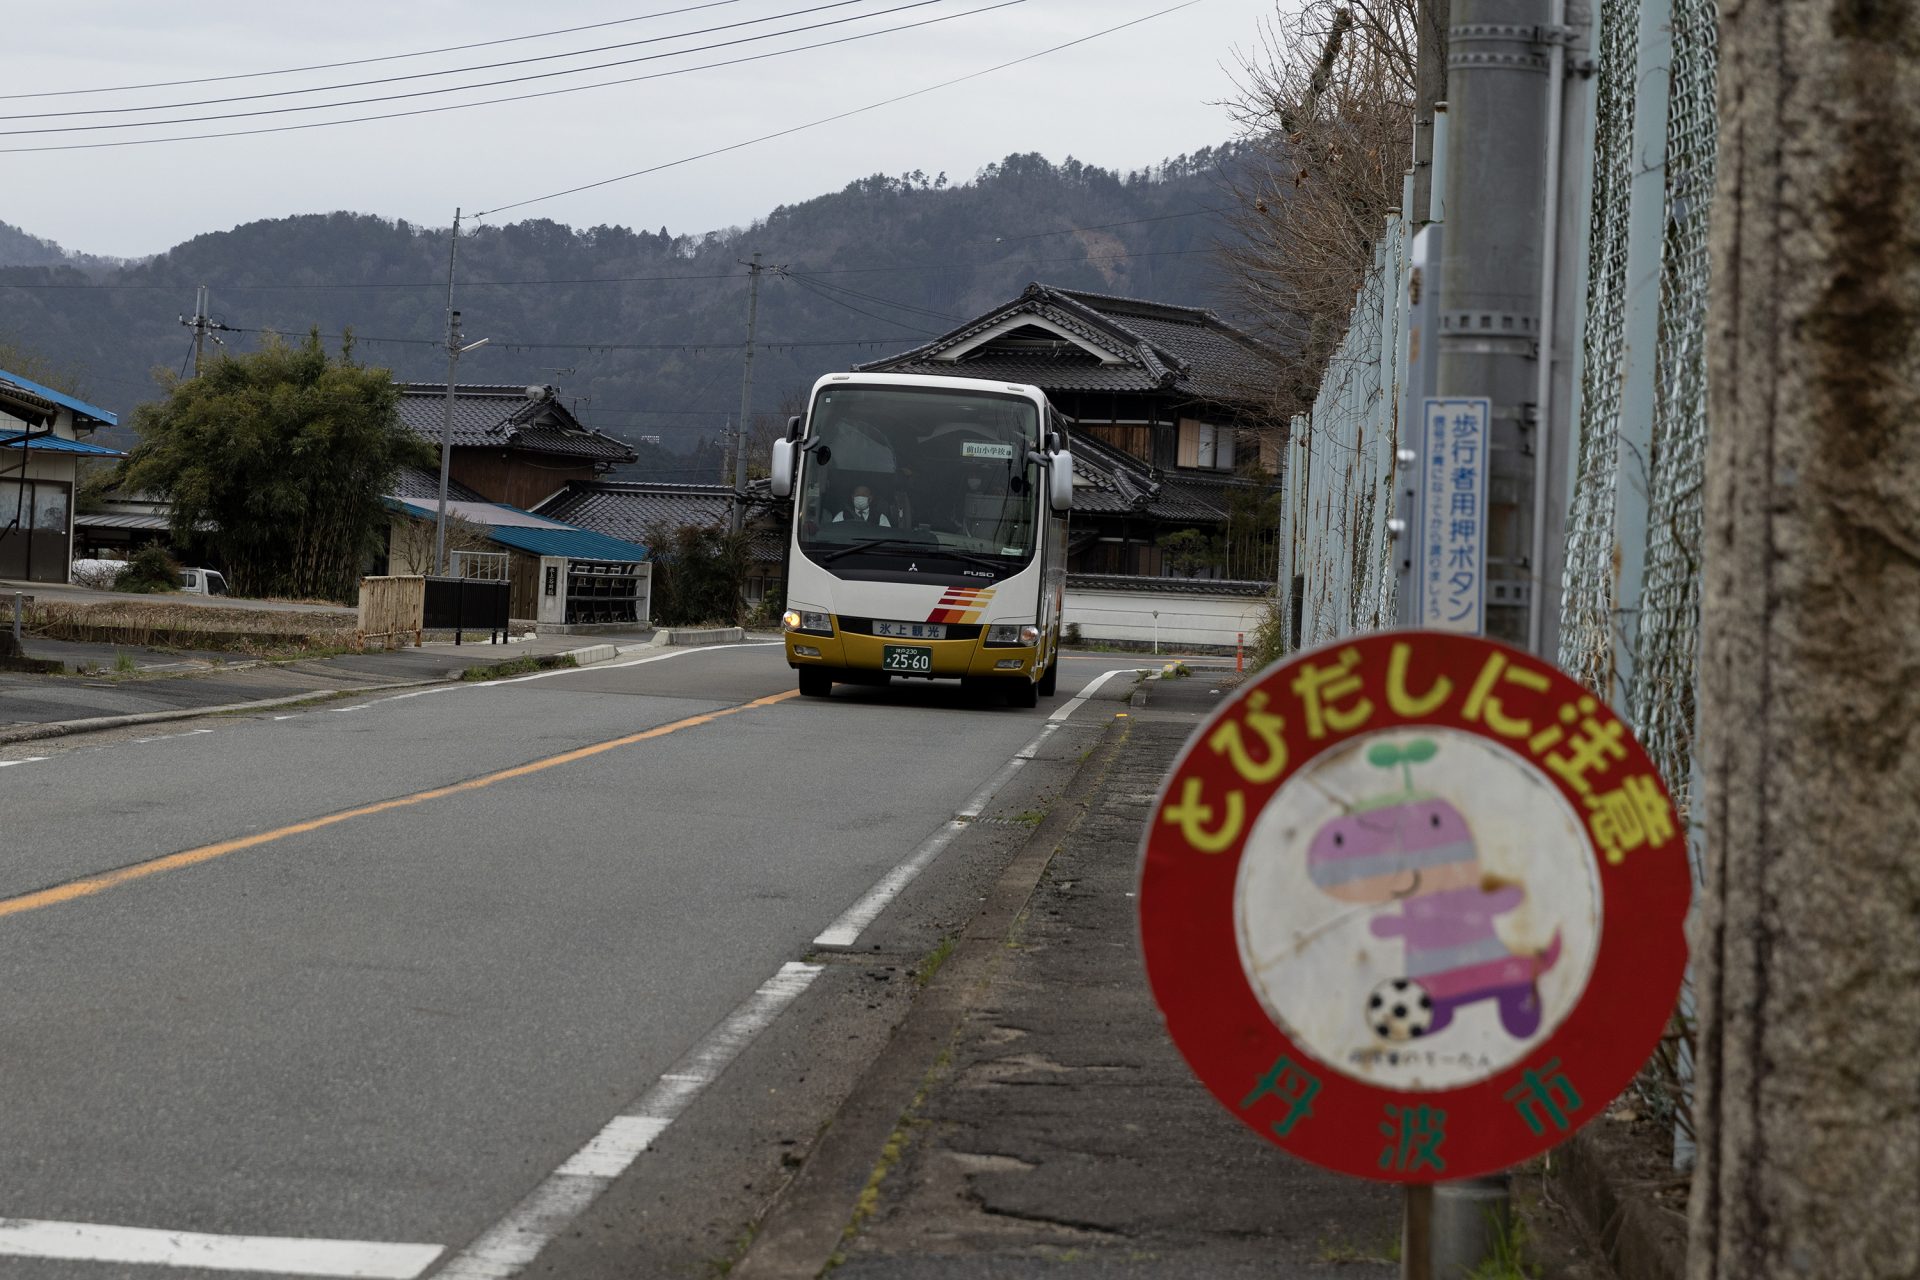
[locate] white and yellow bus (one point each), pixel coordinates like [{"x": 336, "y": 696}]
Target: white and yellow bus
[{"x": 929, "y": 533}]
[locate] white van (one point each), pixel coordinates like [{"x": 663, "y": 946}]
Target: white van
[
  {"x": 203, "y": 582},
  {"x": 102, "y": 574}
]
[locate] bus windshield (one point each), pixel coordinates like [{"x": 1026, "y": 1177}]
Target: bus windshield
[{"x": 936, "y": 478}]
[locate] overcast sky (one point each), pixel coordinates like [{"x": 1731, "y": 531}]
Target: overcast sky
[{"x": 1121, "y": 101}]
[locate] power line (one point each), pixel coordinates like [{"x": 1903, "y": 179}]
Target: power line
[
  {"x": 415, "y": 75},
  {"x": 363, "y": 62},
  {"x": 817, "y": 291},
  {"x": 928, "y": 312},
  {"x": 519, "y": 97},
  {"x": 724, "y": 344},
  {"x": 456, "y": 88},
  {"x": 814, "y": 124},
  {"x": 579, "y": 280}
]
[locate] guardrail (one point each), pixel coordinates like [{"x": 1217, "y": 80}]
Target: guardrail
[{"x": 392, "y": 609}]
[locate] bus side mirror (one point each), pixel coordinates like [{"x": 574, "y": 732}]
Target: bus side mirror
[
  {"x": 1060, "y": 482},
  {"x": 780, "y": 471},
  {"x": 793, "y": 427}
]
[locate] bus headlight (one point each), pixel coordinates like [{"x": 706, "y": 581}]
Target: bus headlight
[
  {"x": 807, "y": 620},
  {"x": 1011, "y": 633}
]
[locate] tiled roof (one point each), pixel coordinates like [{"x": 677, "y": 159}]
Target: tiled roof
[
  {"x": 633, "y": 509},
  {"x": 504, "y": 418},
  {"x": 1158, "y": 346},
  {"x": 1110, "y": 481},
  {"x": 1192, "y": 498},
  {"x": 418, "y": 482},
  {"x": 1037, "y": 368}
]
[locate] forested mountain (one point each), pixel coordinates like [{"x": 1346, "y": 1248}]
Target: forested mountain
[
  {"x": 20, "y": 249},
  {"x": 641, "y": 329}
]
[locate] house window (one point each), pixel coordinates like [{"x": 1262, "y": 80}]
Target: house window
[{"x": 1204, "y": 446}]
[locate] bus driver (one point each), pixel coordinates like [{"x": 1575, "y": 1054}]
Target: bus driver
[{"x": 861, "y": 510}]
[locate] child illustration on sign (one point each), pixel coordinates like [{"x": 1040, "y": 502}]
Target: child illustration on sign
[{"x": 1415, "y": 851}]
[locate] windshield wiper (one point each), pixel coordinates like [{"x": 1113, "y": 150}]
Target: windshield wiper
[
  {"x": 924, "y": 548},
  {"x": 866, "y": 544}
]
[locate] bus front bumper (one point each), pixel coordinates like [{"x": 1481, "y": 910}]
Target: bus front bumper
[{"x": 951, "y": 659}]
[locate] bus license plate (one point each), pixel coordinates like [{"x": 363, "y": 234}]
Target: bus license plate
[{"x": 904, "y": 657}]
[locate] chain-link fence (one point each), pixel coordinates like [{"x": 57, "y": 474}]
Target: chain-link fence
[
  {"x": 1667, "y": 642},
  {"x": 1630, "y": 623},
  {"x": 1340, "y": 468},
  {"x": 1630, "y": 610}
]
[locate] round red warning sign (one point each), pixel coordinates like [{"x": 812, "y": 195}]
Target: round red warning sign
[{"x": 1413, "y": 905}]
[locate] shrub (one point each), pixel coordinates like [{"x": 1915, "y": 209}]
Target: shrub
[
  {"x": 699, "y": 572},
  {"x": 1269, "y": 639},
  {"x": 151, "y": 569}
]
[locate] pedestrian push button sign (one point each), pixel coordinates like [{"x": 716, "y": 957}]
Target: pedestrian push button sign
[{"x": 1412, "y": 905}]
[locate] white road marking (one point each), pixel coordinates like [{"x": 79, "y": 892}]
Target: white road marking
[
  {"x": 274, "y": 1255},
  {"x": 22, "y": 760},
  {"x": 1092, "y": 687},
  {"x": 163, "y": 737},
  {"x": 518, "y": 1238},
  {"x": 636, "y": 662},
  {"x": 846, "y": 931},
  {"x": 560, "y": 671}
]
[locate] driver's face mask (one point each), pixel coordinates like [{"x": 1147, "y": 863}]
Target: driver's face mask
[{"x": 859, "y": 502}]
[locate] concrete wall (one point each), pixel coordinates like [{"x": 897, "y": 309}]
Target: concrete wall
[{"x": 1186, "y": 618}]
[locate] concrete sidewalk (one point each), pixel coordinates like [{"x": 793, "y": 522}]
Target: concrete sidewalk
[{"x": 1048, "y": 1123}]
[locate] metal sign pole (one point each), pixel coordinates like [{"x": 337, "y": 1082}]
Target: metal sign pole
[{"x": 1416, "y": 1246}]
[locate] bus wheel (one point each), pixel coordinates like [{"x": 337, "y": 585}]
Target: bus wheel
[
  {"x": 1050, "y": 682},
  {"x": 815, "y": 683},
  {"x": 1023, "y": 693}
]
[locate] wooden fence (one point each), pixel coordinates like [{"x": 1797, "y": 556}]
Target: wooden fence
[{"x": 392, "y": 610}]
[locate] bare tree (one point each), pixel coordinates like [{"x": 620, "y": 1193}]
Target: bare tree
[
  {"x": 413, "y": 542},
  {"x": 1326, "y": 102},
  {"x": 1809, "y": 947}
]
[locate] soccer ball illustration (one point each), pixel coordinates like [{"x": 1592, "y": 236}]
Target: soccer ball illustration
[{"x": 1399, "y": 1009}]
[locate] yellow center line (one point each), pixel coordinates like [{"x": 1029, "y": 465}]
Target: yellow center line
[{"x": 208, "y": 852}]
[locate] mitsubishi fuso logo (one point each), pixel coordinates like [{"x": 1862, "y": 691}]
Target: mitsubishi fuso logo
[{"x": 913, "y": 566}]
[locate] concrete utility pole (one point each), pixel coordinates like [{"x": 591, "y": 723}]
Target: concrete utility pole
[
  {"x": 1500, "y": 183},
  {"x": 454, "y": 352},
  {"x": 1808, "y": 955},
  {"x": 1490, "y": 270},
  {"x": 202, "y": 325},
  {"x": 746, "y": 397}
]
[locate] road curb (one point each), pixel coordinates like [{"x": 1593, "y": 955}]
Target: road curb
[
  {"x": 592, "y": 653},
  {"x": 1636, "y": 1236},
  {"x": 697, "y": 635}
]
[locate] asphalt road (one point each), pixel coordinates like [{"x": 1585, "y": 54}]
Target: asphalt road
[{"x": 371, "y": 975}]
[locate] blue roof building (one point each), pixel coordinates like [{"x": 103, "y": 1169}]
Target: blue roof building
[{"x": 40, "y": 455}]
